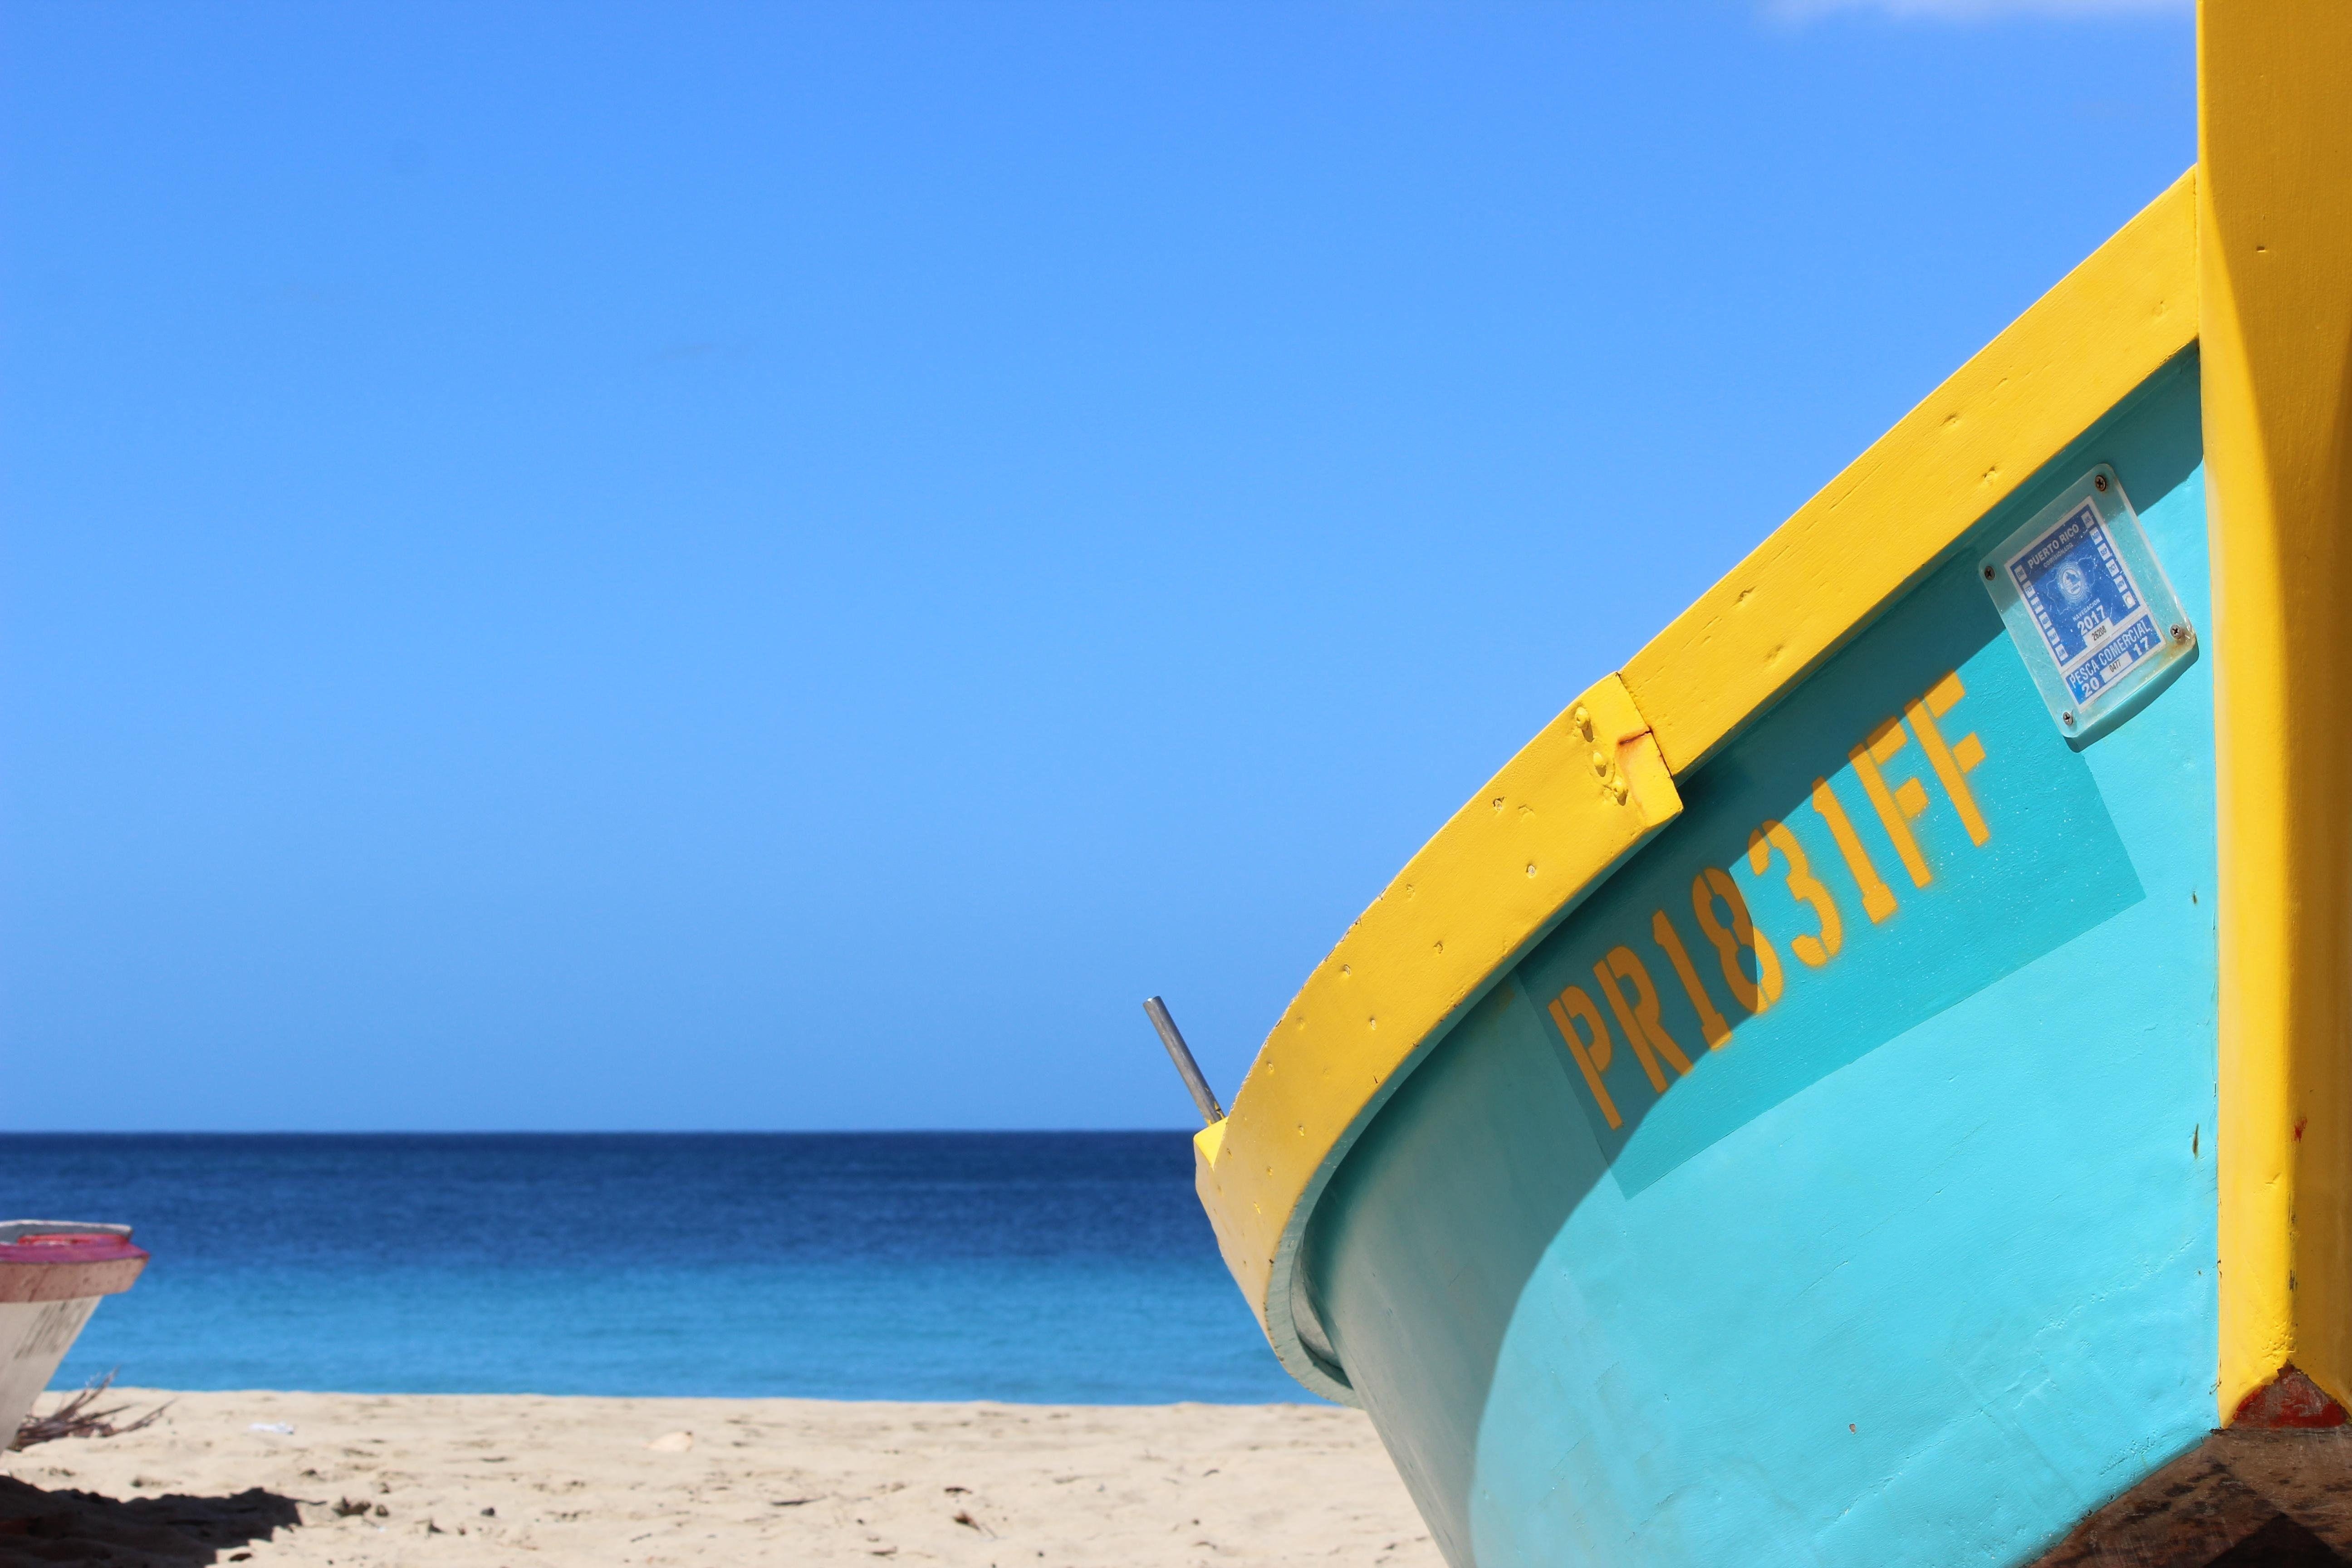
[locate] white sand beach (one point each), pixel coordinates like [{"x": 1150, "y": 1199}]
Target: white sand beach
[{"x": 353, "y": 1480}]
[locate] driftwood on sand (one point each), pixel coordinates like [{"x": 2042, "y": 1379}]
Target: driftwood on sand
[{"x": 77, "y": 1415}]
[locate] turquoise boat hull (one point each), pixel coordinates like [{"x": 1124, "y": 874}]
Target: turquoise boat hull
[
  {"x": 1871, "y": 1082},
  {"x": 1916, "y": 1265}
]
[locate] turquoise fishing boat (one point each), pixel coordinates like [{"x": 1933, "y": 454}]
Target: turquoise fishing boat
[{"x": 1871, "y": 1082}]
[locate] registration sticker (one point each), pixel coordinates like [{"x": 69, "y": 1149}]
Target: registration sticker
[
  {"x": 2090, "y": 613},
  {"x": 2088, "y": 606}
]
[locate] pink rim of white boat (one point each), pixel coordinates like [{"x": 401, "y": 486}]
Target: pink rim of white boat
[{"x": 65, "y": 1266}]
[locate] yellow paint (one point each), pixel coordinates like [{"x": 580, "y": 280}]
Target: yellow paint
[
  {"x": 1588, "y": 790},
  {"x": 1804, "y": 887},
  {"x": 1710, "y": 1017},
  {"x": 1952, "y": 764},
  {"x": 1755, "y": 994},
  {"x": 1587, "y": 1042},
  {"x": 1877, "y": 898},
  {"x": 1877, "y": 527},
  {"x": 1644, "y": 1030},
  {"x": 2275, "y": 204},
  {"x": 1209, "y": 1140},
  {"x": 1578, "y": 799},
  {"x": 1898, "y": 807}
]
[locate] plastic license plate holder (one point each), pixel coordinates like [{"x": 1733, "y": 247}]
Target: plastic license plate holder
[{"x": 2089, "y": 608}]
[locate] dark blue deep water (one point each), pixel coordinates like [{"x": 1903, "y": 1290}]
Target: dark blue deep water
[{"x": 1055, "y": 1267}]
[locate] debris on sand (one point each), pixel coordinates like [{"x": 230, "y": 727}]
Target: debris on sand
[{"x": 78, "y": 1416}]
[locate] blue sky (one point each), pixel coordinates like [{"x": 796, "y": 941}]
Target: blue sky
[{"x": 765, "y": 566}]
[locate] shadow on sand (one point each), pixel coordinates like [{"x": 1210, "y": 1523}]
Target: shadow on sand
[{"x": 63, "y": 1526}]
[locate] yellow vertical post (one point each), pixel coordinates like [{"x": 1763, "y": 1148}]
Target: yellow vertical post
[{"x": 2274, "y": 258}]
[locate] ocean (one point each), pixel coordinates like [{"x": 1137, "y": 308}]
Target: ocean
[{"x": 1059, "y": 1267}]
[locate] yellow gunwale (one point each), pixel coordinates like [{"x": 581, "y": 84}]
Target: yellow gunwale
[{"x": 1598, "y": 780}]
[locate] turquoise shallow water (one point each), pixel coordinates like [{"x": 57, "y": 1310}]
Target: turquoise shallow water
[{"x": 1055, "y": 1267}]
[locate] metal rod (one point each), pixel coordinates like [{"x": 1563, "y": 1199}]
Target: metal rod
[{"x": 1182, "y": 1054}]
